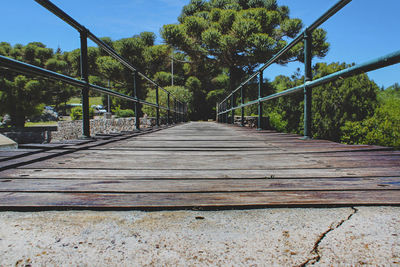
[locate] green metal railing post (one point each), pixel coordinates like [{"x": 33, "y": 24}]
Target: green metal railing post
[
  {"x": 168, "y": 110},
  {"x": 137, "y": 119},
  {"x": 242, "y": 109},
  {"x": 260, "y": 95},
  {"x": 85, "y": 90},
  {"x": 223, "y": 114},
  {"x": 157, "y": 108},
  {"x": 179, "y": 112},
  {"x": 175, "y": 114},
  {"x": 226, "y": 113},
  {"x": 307, "y": 78},
  {"x": 220, "y": 115},
  {"x": 183, "y": 110},
  {"x": 232, "y": 106}
]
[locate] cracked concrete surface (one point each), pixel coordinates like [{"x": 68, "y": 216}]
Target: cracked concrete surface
[
  {"x": 371, "y": 237},
  {"x": 263, "y": 237}
]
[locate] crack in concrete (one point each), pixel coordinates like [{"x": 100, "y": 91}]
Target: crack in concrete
[{"x": 315, "y": 249}]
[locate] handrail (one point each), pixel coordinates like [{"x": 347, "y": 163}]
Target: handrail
[
  {"x": 381, "y": 62},
  {"x": 179, "y": 108},
  {"x": 223, "y": 109},
  {"x": 12, "y": 64}
]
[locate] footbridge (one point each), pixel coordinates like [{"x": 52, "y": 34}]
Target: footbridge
[{"x": 197, "y": 165}]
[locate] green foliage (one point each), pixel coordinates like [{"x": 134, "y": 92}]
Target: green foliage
[
  {"x": 351, "y": 99},
  {"x": 22, "y": 96},
  {"x": 163, "y": 78},
  {"x": 76, "y": 113},
  {"x": 277, "y": 122},
  {"x": 334, "y": 104},
  {"x": 232, "y": 38},
  {"x": 382, "y": 128},
  {"x": 179, "y": 92},
  {"x": 124, "y": 113}
]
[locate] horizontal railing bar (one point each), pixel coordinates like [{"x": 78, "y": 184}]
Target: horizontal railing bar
[
  {"x": 9, "y": 63},
  {"x": 68, "y": 19},
  {"x": 332, "y": 11},
  {"x": 381, "y": 62},
  {"x": 16, "y": 65}
]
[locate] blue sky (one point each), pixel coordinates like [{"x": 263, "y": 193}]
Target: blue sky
[{"x": 363, "y": 30}]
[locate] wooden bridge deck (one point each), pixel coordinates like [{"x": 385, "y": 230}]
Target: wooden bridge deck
[{"x": 199, "y": 165}]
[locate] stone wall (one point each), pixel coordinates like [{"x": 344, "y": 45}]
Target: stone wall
[
  {"x": 73, "y": 129},
  {"x": 28, "y": 135}
]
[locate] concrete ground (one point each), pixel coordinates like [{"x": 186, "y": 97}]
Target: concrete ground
[
  {"x": 262, "y": 237},
  {"x": 6, "y": 143}
]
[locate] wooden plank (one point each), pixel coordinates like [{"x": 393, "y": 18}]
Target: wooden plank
[
  {"x": 222, "y": 162},
  {"x": 189, "y": 200},
  {"x": 87, "y": 173},
  {"x": 200, "y": 186}
]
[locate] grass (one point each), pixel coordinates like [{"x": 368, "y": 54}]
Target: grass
[
  {"x": 42, "y": 123},
  {"x": 92, "y": 100}
]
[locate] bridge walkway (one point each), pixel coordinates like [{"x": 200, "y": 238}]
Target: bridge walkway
[{"x": 200, "y": 165}]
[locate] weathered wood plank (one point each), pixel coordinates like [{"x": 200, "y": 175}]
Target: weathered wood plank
[
  {"x": 220, "y": 162},
  {"x": 192, "y": 186},
  {"x": 189, "y": 200},
  {"x": 87, "y": 173}
]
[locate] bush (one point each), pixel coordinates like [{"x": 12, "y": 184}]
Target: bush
[
  {"x": 277, "y": 122},
  {"x": 76, "y": 113},
  {"x": 383, "y": 128},
  {"x": 124, "y": 113}
]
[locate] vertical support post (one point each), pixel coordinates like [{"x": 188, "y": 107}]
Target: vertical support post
[
  {"x": 85, "y": 90},
  {"x": 185, "y": 115},
  {"x": 181, "y": 105},
  {"x": 217, "y": 111},
  {"x": 220, "y": 115},
  {"x": 108, "y": 99},
  {"x": 260, "y": 94},
  {"x": 232, "y": 106},
  {"x": 242, "y": 108},
  {"x": 137, "y": 119},
  {"x": 180, "y": 112},
  {"x": 175, "y": 110},
  {"x": 226, "y": 112},
  {"x": 178, "y": 106},
  {"x": 157, "y": 108},
  {"x": 168, "y": 111},
  {"x": 307, "y": 78}
]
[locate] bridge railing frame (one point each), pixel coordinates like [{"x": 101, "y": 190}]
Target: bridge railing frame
[
  {"x": 227, "y": 105},
  {"x": 179, "y": 108}
]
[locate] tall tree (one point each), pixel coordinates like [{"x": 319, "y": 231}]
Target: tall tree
[
  {"x": 20, "y": 95},
  {"x": 236, "y": 35}
]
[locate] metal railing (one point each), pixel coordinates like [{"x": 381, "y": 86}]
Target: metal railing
[
  {"x": 177, "y": 109},
  {"x": 227, "y": 105}
]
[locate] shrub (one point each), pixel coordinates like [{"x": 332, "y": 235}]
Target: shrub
[
  {"x": 383, "y": 128},
  {"x": 76, "y": 113},
  {"x": 277, "y": 122},
  {"x": 124, "y": 113}
]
